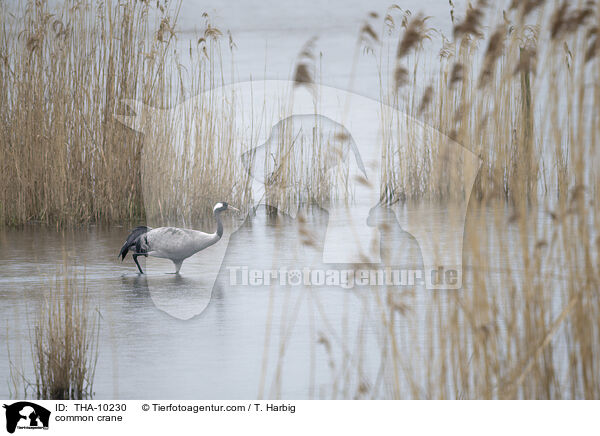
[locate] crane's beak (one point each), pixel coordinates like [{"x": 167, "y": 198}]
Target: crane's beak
[{"x": 233, "y": 208}]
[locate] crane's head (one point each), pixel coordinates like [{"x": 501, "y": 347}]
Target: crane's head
[{"x": 223, "y": 206}]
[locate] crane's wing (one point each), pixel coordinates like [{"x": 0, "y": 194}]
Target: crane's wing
[{"x": 132, "y": 240}]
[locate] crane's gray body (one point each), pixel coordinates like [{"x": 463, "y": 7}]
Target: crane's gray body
[{"x": 172, "y": 243}]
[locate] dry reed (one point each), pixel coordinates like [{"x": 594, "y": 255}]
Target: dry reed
[{"x": 64, "y": 344}]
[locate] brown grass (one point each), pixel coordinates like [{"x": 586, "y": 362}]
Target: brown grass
[
  {"x": 526, "y": 324},
  {"x": 64, "y": 344},
  {"x": 64, "y": 157}
]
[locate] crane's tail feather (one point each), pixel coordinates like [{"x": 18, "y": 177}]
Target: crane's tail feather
[{"x": 132, "y": 240}]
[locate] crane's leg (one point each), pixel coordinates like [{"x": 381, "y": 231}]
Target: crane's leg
[
  {"x": 135, "y": 256},
  {"x": 178, "y": 264}
]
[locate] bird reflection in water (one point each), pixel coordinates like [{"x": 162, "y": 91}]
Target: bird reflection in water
[{"x": 182, "y": 297}]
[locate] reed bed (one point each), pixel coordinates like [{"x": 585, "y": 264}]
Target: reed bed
[
  {"x": 526, "y": 322},
  {"x": 64, "y": 160},
  {"x": 64, "y": 344},
  {"x": 520, "y": 106},
  {"x": 519, "y": 90},
  {"x": 65, "y": 73}
]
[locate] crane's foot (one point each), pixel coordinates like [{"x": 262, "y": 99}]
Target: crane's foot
[{"x": 177, "y": 266}]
